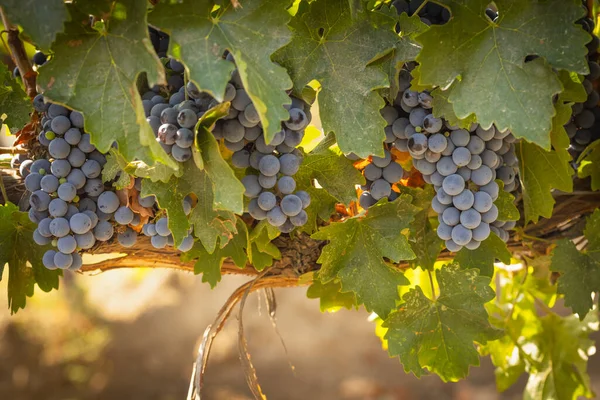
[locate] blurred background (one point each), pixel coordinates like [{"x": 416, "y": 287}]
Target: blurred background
[{"x": 129, "y": 335}]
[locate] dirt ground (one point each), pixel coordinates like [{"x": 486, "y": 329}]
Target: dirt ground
[{"x": 132, "y": 335}]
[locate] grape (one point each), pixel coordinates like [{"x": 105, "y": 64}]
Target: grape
[
  {"x": 262, "y": 146},
  {"x": 425, "y": 167},
  {"x": 372, "y": 172},
  {"x": 187, "y": 206},
  {"x": 241, "y": 159},
  {"x": 304, "y": 197},
  {"x": 85, "y": 144},
  {"x": 59, "y": 227},
  {"x": 493, "y": 144},
  {"x": 464, "y": 200},
  {"x": 461, "y": 235},
  {"x": 76, "y": 119},
  {"x": 476, "y": 145},
  {"x": 473, "y": 245},
  {"x": 67, "y": 191},
  {"x": 91, "y": 215},
  {"x": 449, "y": 149},
  {"x": 251, "y": 185},
  {"x": 453, "y": 184},
  {"x": 91, "y": 169},
  {"x": 417, "y": 116},
  {"x": 77, "y": 262},
  {"x": 475, "y": 162},
  {"x": 278, "y": 138},
  {"x": 267, "y": 182},
  {"x": 108, "y": 202},
  {"x": 59, "y": 148},
  {"x": 482, "y": 175},
  {"x": 437, "y": 143},
  {"x": 58, "y": 208},
  {"x": 38, "y": 165},
  {"x": 251, "y": 134},
  {"x": 39, "y": 200},
  {"x": 366, "y": 200},
  {"x": 241, "y": 100},
  {"x": 98, "y": 157},
  {"x": 48, "y": 259},
  {"x": 425, "y": 100},
  {"x": 300, "y": 219},
  {"x": 452, "y": 246},
  {"x": 187, "y": 118},
  {"x": 460, "y": 137},
  {"x": 39, "y": 105},
  {"x": 298, "y": 120},
  {"x": 399, "y": 127},
  {"x": 436, "y": 179},
  {"x": 409, "y": 131},
  {"x": 410, "y": 98},
  {"x": 76, "y": 178},
  {"x": 155, "y": 124},
  {"x": 384, "y": 161},
  {"x": 389, "y": 113},
  {"x": 76, "y": 157},
  {"x": 291, "y": 205},
  {"x": 432, "y": 124},
  {"x": 162, "y": 227},
  {"x": 465, "y": 173},
  {"x": 37, "y": 216},
  {"x": 169, "y": 116},
  {"x": 67, "y": 244},
  {"x": 60, "y": 124},
  {"x": 481, "y": 232},
  {"x": 72, "y": 136},
  {"x": 158, "y": 242},
  {"x": 443, "y": 197},
  {"x": 147, "y": 201},
  {"x": 393, "y": 173},
  {"x": 380, "y": 189},
  {"x": 181, "y": 154},
  {"x": 94, "y": 187},
  {"x": 401, "y": 145},
  {"x": 233, "y": 131},
  {"x": 491, "y": 215},
  {"x": 276, "y": 217},
  {"x": 470, "y": 218},
  {"x": 54, "y": 110},
  {"x": 185, "y": 138},
  {"x": 483, "y": 202},
  {"x": 44, "y": 227},
  {"x": 60, "y": 168},
  {"x": 62, "y": 260},
  {"x": 267, "y": 201},
  {"x": 103, "y": 231},
  {"x": 127, "y": 238},
  {"x": 287, "y": 227},
  {"x": 33, "y": 182},
  {"x": 25, "y": 168},
  {"x": 40, "y": 239},
  {"x": 290, "y": 163},
  {"x": 178, "y": 97},
  {"x": 167, "y": 134},
  {"x": 444, "y": 231},
  {"x": 286, "y": 185},
  {"x": 123, "y": 215},
  {"x": 432, "y": 157},
  {"x": 489, "y": 158},
  {"x": 255, "y": 211},
  {"x": 451, "y": 216},
  {"x": 149, "y": 229},
  {"x": 417, "y": 144},
  {"x": 506, "y": 174},
  {"x": 437, "y": 206},
  {"x": 71, "y": 210},
  {"x": 186, "y": 244},
  {"x": 269, "y": 165}
]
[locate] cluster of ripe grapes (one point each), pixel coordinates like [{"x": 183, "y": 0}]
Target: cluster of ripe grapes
[{"x": 584, "y": 127}]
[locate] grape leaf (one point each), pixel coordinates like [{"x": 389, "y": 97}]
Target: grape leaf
[
  {"x": 438, "y": 335},
  {"x": 484, "y": 257},
  {"x": 507, "y": 211},
  {"x": 443, "y": 108},
  {"x": 336, "y": 51},
  {"x": 423, "y": 237},
  {"x": 209, "y": 224},
  {"x": 262, "y": 251},
  {"x": 334, "y": 172},
  {"x": 541, "y": 171},
  {"x": 115, "y": 165},
  {"x": 589, "y": 164},
  {"x": 482, "y": 63},
  {"x": 251, "y": 33},
  {"x": 90, "y": 73},
  {"x": 579, "y": 271},
  {"x": 330, "y": 295},
  {"x": 227, "y": 188},
  {"x": 23, "y": 256},
  {"x": 209, "y": 264},
  {"x": 13, "y": 101},
  {"x": 322, "y": 206},
  {"x": 356, "y": 250},
  {"x": 41, "y": 21}
]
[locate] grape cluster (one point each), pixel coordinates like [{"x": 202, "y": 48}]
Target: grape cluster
[
  {"x": 159, "y": 232},
  {"x": 430, "y": 14},
  {"x": 584, "y": 126},
  {"x": 69, "y": 201},
  {"x": 380, "y": 175}
]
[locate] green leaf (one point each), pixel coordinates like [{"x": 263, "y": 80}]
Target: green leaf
[
  {"x": 322, "y": 206},
  {"x": 262, "y": 251},
  {"x": 590, "y": 164},
  {"x": 438, "y": 335},
  {"x": 336, "y": 51},
  {"x": 482, "y": 63},
  {"x": 41, "y": 20},
  {"x": 334, "y": 172},
  {"x": 423, "y": 236},
  {"x": 330, "y": 295},
  {"x": 228, "y": 190},
  {"x": 13, "y": 101},
  {"x": 115, "y": 166},
  {"x": 209, "y": 264},
  {"x": 483, "y": 258},
  {"x": 24, "y": 258},
  {"x": 209, "y": 224},
  {"x": 251, "y": 33},
  {"x": 443, "y": 108},
  {"x": 507, "y": 211},
  {"x": 95, "y": 72},
  {"x": 155, "y": 173},
  {"x": 579, "y": 271},
  {"x": 356, "y": 250}
]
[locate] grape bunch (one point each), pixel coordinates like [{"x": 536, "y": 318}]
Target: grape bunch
[
  {"x": 430, "y": 14},
  {"x": 584, "y": 126},
  {"x": 69, "y": 201},
  {"x": 380, "y": 174}
]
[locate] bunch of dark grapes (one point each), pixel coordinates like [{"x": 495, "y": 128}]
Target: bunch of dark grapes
[{"x": 430, "y": 14}]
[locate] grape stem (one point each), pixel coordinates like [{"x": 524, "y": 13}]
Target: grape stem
[
  {"x": 19, "y": 56},
  {"x": 13, "y": 150},
  {"x": 418, "y": 10}
]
